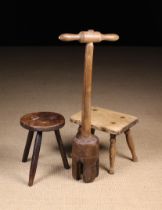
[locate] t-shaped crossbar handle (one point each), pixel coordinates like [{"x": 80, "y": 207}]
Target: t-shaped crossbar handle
[{"x": 89, "y": 37}]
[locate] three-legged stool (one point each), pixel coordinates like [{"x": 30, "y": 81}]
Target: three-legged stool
[
  {"x": 42, "y": 122},
  {"x": 114, "y": 123}
]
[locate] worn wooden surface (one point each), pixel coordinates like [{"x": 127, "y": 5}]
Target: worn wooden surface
[
  {"x": 42, "y": 121},
  {"x": 107, "y": 120}
]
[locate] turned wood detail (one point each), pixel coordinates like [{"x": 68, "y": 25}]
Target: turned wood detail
[
  {"x": 89, "y": 36},
  {"x": 85, "y": 146}
]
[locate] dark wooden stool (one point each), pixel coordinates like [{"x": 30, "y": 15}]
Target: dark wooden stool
[{"x": 41, "y": 122}]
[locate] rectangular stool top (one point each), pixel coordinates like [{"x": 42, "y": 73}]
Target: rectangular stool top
[{"x": 107, "y": 120}]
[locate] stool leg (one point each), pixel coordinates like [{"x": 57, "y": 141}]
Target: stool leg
[
  {"x": 35, "y": 157},
  {"x": 27, "y": 146},
  {"x": 112, "y": 152},
  {"x": 61, "y": 148},
  {"x": 131, "y": 145}
]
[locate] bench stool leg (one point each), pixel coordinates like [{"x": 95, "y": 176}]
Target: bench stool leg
[
  {"x": 131, "y": 145},
  {"x": 112, "y": 152},
  {"x": 35, "y": 157},
  {"x": 61, "y": 148},
  {"x": 27, "y": 146}
]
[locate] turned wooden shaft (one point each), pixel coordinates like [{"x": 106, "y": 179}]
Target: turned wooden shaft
[{"x": 87, "y": 90}]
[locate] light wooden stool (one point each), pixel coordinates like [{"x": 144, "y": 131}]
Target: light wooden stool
[{"x": 114, "y": 123}]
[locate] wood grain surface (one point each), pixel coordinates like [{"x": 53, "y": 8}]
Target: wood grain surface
[{"x": 107, "y": 120}]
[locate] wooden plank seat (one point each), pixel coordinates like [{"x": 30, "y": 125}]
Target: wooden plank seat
[{"x": 114, "y": 123}]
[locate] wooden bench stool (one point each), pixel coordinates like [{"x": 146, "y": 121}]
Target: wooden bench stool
[
  {"x": 41, "y": 122},
  {"x": 114, "y": 123}
]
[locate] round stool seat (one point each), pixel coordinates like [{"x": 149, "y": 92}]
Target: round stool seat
[{"x": 42, "y": 121}]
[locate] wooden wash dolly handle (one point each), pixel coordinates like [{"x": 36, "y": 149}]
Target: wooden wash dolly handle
[{"x": 89, "y": 37}]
